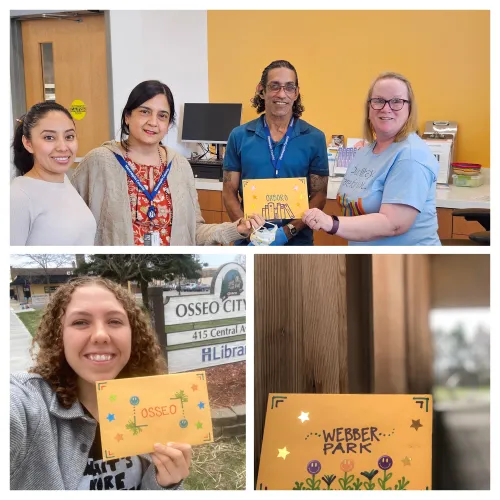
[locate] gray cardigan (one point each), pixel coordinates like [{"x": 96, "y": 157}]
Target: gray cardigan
[
  {"x": 102, "y": 183},
  {"x": 49, "y": 444}
]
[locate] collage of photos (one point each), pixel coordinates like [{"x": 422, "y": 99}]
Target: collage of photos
[{"x": 368, "y": 368}]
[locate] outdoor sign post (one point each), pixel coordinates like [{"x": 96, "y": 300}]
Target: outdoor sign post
[{"x": 208, "y": 329}]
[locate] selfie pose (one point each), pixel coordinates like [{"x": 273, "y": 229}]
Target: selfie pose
[{"x": 91, "y": 330}]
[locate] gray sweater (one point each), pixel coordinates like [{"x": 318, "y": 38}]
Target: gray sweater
[
  {"x": 49, "y": 444},
  {"x": 102, "y": 183}
]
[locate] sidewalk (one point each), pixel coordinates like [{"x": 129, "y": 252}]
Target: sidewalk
[{"x": 20, "y": 343}]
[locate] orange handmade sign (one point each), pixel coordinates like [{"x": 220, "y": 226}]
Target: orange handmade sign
[
  {"x": 346, "y": 442},
  {"x": 275, "y": 198},
  {"x": 136, "y": 413}
]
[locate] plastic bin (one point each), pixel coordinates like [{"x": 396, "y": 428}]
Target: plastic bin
[{"x": 468, "y": 180}]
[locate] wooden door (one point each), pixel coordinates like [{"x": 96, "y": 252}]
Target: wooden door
[{"x": 80, "y": 73}]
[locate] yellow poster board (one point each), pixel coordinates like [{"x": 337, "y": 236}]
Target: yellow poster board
[
  {"x": 136, "y": 413},
  {"x": 346, "y": 442},
  {"x": 275, "y": 198}
]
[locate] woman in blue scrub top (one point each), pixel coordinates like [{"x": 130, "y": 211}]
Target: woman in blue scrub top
[{"x": 391, "y": 183}]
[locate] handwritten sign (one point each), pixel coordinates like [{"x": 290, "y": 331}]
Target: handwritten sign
[
  {"x": 276, "y": 198},
  {"x": 136, "y": 413},
  {"x": 347, "y": 442}
]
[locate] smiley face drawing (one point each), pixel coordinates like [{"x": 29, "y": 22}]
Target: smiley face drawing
[
  {"x": 183, "y": 423},
  {"x": 134, "y": 400}
]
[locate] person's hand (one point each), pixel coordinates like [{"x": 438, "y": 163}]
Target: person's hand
[
  {"x": 246, "y": 226},
  {"x": 280, "y": 238},
  {"x": 172, "y": 462},
  {"x": 316, "y": 219}
]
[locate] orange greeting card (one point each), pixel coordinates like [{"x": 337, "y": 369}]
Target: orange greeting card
[
  {"x": 346, "y": 442},
  {"x": 275, "y": 198},
  {"x": 136, "y": 413}
]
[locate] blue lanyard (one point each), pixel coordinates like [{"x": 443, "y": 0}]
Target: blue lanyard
[
  {"x": 150, "y": 196},
  {"x": 277, "y": 162}
]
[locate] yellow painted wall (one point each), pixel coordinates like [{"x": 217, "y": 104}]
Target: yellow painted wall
[{"x": 337, "y": 54}]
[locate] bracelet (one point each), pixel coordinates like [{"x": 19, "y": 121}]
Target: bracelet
[{"x": 335, "y": 226}]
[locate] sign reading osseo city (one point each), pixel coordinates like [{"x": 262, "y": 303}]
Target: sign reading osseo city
[{"x": 215, "y": 323}]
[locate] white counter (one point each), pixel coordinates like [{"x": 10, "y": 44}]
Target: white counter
[
  {"x": 208, "y": 184},
  {"x": 446, "y": 197}
]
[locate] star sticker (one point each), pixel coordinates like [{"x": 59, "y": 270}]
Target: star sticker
[
  {"x": 254, "y": 196},
  {"x": 253, "y": 188},
  {"x": 416, "y": 424},
  {"x": 406, "y": 461},
  {"x": 110, "y": 417},
  {"x": 298, "y": 204},
  {"x": 194, "y": 387},
  {"x": 199, "y": 425},
  {"x": 119, "y": 437},
  {"x": 201, "y": 405},
  {"x": 112, "y": 397},
  {"x": 304, "y": 416},
  {"x": 282, "y": 453},
  {"x": 296, "y": 188},
  {"x": 301, "y": 197}
]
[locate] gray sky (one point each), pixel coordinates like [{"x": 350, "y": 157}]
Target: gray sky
[{"x": 213, "y": 260}]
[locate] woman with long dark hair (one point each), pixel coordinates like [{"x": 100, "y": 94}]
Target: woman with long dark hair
[
  {"x": 45, "y": 209},
  {"x": 143, "y": 193}
]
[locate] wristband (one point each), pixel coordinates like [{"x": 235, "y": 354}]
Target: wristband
[{"x": 335, "y": 226}]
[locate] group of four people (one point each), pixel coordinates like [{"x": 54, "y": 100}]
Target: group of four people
[{"x": 136, "y": 191}]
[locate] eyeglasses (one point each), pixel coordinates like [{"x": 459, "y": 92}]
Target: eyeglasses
[
  {"x": 395, "y": 104},
  {"x": 275, "y": 87}
]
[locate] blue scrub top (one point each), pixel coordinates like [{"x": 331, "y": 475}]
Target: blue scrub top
[{"x": 247, "y": 152}]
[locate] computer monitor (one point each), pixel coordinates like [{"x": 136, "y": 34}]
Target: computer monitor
[{"x": 210, "y": 122}]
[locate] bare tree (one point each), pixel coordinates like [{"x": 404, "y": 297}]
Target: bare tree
[
  {"x": 47, "y": 261},
  {"x": 241, "y": 259}
]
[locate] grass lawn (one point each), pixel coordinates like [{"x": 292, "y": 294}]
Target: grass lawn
[
  {"x": 31, "y": 320},
  {"x": 218, "y": 466}
]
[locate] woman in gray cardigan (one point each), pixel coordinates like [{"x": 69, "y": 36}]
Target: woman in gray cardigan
[
  {"x": 143, "y": 193},
  {"x": 91, "y": 330}
]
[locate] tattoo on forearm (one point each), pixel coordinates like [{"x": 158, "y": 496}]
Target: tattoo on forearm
[
  {"x": 318, "y": 183},
  {"x": 226, "y": 177}
]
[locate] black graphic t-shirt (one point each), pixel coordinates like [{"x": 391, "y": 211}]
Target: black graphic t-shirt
[{"x": 120, "y": 474}]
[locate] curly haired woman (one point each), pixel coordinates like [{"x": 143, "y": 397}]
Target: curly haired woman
[{"x": 91, "y": 330}]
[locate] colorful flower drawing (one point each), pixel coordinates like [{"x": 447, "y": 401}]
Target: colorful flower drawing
[
  {"x": 402, "y": 484},
  {"x": 346, "y": 465},
  {"x": 385, "y": 463},
  {"x": 313, "y": 467},
  {"x": 328, "y": 479},
  {"x": 369, "y": 485}
]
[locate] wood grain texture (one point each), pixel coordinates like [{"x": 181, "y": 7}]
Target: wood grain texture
[
  {"x": 389, "y": 324},
  {"x": 420, "y": 350},
  {"x": 79, "y": 51},
  {"x": 300, "y": 328}
]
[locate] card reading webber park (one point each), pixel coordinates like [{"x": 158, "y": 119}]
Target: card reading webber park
[
  {"x": 346, "y": 442},
  {"x": 136, "y": 413}
]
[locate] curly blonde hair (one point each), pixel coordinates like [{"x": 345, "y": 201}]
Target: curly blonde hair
[{"x": 146, "y": 356}]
